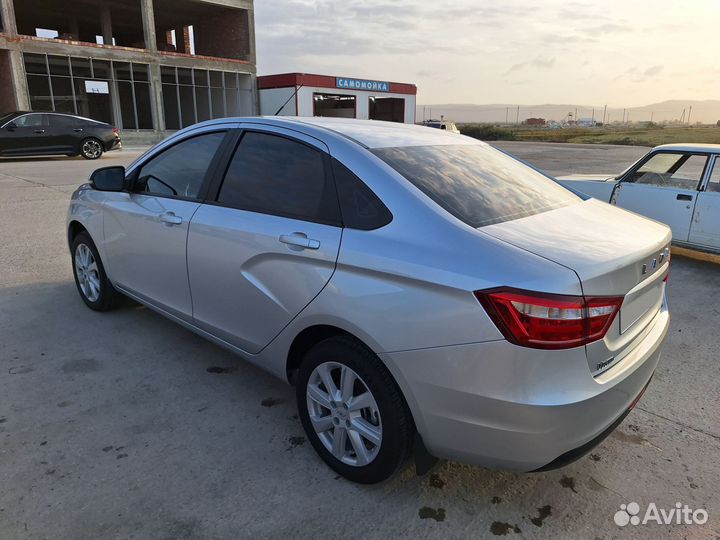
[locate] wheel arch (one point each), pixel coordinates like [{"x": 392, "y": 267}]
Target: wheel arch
[
  {"x": 75, "y": 228},
  {"x": 314, "y": 334},
  {"x": 308, "y": 338}
]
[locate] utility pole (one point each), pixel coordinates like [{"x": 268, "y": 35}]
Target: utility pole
[
  {"x": 604, "y": 112},
  {"x": 628, "y": 117},
  {"x": 651, "y": 116},
  {"x": 689, "y": 113},
  {"x": 623, "y": 120},
  {"x": 576, "y": 116},
  {"x": 517, "y": 115},
  {"x": 507, "y": 109},
  {"x": 682, "y": 117},
  {"x": 593, "y": 116}
]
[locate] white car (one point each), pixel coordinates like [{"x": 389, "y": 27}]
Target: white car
[
  {"x": 677, "y": 184},
  {"x": 442, "y": 124}
]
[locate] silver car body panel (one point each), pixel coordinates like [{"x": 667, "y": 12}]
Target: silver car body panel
[{"x": 406, "y": 291}]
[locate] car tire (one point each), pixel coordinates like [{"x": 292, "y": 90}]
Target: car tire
[
  {"x": 90, "y": 278},
  {"x": 91, "y": 148},
  {"x": 337, "y": 427}
]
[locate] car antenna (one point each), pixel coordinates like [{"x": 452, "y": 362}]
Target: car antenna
[{"x": 288, "y": 100}]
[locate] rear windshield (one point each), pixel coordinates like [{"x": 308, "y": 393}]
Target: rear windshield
[{"x": 476, "y": 183}]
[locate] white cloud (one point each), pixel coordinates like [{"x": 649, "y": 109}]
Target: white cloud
[{"x": 463, "y": 51}]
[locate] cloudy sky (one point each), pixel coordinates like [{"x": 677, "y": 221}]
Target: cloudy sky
[{"x": 619, "y": 52}]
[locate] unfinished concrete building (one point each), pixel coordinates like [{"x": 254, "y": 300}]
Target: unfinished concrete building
[{"x": 145, "y": 66}]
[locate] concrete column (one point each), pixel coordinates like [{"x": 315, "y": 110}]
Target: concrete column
[
  {"x": 156, "y": 103},
  {"x": 7, "y": 9},
  {"x": 148, "y": 18},
  {"x": 106, "y": 24},
  {"x": 251, "y": 35},
  {"x": 19, "y": 80}
]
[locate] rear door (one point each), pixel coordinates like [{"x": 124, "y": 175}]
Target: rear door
[
  {"x": 146, "y": 230},
  {"x": 64, "y": 133},
  {"x": 269, "y": 242},
  {"x": 664, "y": 187},
  {"x": 705, "y": 227}
]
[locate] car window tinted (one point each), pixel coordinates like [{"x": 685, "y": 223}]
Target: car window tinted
[
  {"x": 360, "y": 207},
  {"x": 714, "y": 184},
  {"x": 32, "y": 120},
  {"x": 476, "y": 183},
  {"x": 180, "y": 170},
  {"x": 58, "y": 120},
  {"x": 671, "y": 170},
  {"x": 279, "y": 176}
]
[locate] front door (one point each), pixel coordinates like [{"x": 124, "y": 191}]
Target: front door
[
  {"x": 664, "y": 187},
  {"x": 705, "y": 227},
  {"x": 269, "y": 243},
  {"x": 28, "y": 134},
  {"x": 146, "y": 230}
]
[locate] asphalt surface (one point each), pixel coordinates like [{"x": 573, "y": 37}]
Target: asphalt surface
[{"x": 124, "y": 425}]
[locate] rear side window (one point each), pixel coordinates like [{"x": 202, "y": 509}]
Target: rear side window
[
  {"x": 57, "y": 120},
  {"x": 360, "y": 207},
  {"x": 279, "y": 176},
  {"x": 476, "y": 183},
  {"x": 180, "y": 170}
]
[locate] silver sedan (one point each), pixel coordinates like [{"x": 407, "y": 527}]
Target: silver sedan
[
  {"x": 677, "y": 184},
  {"x": 422, "y": 291}
]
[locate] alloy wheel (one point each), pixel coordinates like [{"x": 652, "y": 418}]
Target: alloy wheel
[
  {"x": 344, "y": 414},
  {"x": 86, "y": 270},
  {"x": 91, "y": 149}
]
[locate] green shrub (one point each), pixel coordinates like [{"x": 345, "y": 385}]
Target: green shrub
[{"x": 487, "y": 132}]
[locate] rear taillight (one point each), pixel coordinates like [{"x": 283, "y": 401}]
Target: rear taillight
[
  {"x": 116, "y": 131},
  {"x": 549, "y": 321}
]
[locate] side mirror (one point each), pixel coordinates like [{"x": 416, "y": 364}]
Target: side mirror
[{"x": 108, "y": 178}]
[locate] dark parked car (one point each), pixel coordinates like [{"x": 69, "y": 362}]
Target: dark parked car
[{"x": 47, "y": 133}]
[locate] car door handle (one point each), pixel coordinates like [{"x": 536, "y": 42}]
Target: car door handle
[
  {"x": 684, "y": 197},
  {"x": 300, "y": 240},
  {"x": 39, "y": 131},
  {"x": 170, "y": 218},
  {"x": 78, "y": 130}
]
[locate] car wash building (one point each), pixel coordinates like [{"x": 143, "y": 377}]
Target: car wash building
[{"x": 303, "y": 94}]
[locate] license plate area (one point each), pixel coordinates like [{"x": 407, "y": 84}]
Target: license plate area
[{"x": 638, "y": 303}]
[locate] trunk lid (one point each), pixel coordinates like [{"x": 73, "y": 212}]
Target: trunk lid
[{"x": 614, "y": 253}]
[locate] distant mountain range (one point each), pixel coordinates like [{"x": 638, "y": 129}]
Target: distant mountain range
[{"x": 706, "y": 111}]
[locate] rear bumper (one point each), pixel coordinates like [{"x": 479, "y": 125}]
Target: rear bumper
[
  {"x": 499, "y": 405},
  {"x": 113, "y": 144}
]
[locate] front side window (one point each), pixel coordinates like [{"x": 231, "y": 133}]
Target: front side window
[
  {"x": 671, "y": 170},
  {"x": 275, "y": 175},
  {"x": 180, "y": 170},
  {"x": 476, "y": 183},
  {"x": 32, "y": 120}
]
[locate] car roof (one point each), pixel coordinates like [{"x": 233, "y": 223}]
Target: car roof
[
  {"x": 368, "y": 133},
  {"x": 690, "y": 147}
]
